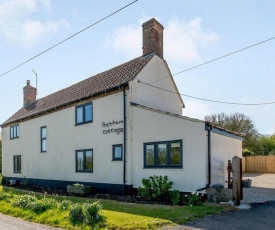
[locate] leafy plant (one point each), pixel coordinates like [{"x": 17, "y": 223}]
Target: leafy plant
[
  {"x": 193, "y": 198},
  {"x": 175, "y": 197},
  {"x": 91, "y": 211},
  {"x": 155, "y": 188},
  {"x": 65, "y": 204},
  {"x": 76, "y": 213},
  {"x": 30, "y": 202},
  {"x": 85, "y": 212}
]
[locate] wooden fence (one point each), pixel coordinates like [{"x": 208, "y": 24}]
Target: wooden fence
[{"x": 259, "y": 164}]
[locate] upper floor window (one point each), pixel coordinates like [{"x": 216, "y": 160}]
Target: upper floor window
[
  {"x": 14, "y": 131},
  {"x": 17, "y": 164},
  {"x": 163, "y": 154},
  {"x": 84, "y": 113},
  {"x": 43, "y": 138}
]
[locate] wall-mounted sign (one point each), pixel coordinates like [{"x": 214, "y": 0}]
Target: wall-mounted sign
[{"x": 113, "y": 129}]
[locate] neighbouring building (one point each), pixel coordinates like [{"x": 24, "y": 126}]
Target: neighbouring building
[{"x": 115, "y": 128}]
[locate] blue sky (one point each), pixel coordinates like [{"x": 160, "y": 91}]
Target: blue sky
[{"x": 195, "y": 32}]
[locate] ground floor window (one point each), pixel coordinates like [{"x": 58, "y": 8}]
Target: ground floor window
[
  {"x": 117, "y": 152},
  {"x": 17, "y": 164},
  {"x": 84, "y": 160},
  {"x": 163, "y": 154}
]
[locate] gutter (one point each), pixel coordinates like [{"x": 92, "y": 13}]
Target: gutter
[
  {"x": 124, "y": 141},
  {"x": 208, "y": 127}
]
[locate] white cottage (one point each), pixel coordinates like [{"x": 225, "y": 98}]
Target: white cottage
[{"x": 111, "y": 130}]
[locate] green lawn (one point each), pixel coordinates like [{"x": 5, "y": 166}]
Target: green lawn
[{"x": 117, "y": 215}]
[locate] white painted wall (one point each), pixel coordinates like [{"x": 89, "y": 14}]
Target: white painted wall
[
  {"x": 63, "y": 138},
  {"x": 156, "y": 72},
  {"x": 223, "y": 148},
  {"x": 152, "y": 126}
]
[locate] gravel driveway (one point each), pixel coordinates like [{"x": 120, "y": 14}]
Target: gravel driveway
[{"x": 262, "y": 190}]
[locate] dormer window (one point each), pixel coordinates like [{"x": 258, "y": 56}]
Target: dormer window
[
  {"x": 84, "y": 114},
  {"x": 14, "y": 132}
]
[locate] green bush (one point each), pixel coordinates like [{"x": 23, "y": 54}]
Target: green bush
[
  {"x": 155, "y": 188},
  {"x": 91, "y": 211},
  {"x": 86, "y": 212},
  {"x": 23, "y": 201},
  {"x": 30, "y": 202},
  {"x": 65, "y": 204},
  {"x": 76, "y": 213},
  {"x": 191, "y": 199},
  {"x": 175, "y": 197}
]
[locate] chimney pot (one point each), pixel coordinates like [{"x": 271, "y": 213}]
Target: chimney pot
[
  {"x": 153, "y": 37},
  {"x": 29, "y": 94}
]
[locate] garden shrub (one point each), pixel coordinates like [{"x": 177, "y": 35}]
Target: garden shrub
[
  {"x": 30, "y": 202},
  {"x": 155, "y": 188},
  {"x": 23, "y": 201},
  {"x": 175, "y": 197},
  {"x": 76, "y": 213},
  {"x": 3, "y": 196},
  {"x": 91, "y": 211},
  {"x": 191, "y": 199},
  {"x": 65, "y": 204},
  {"x": 86, "y": 212}
]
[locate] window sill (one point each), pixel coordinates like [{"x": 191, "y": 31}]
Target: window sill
[
  {"x": 83, "y": 123},
  {"x": 14, "y": 138},
  {"x": 84, "y": 171},
  {"x": 165, "y": 167},
  {"x": 118, "y": 159}
]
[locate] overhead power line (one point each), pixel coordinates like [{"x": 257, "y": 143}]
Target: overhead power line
[
  {"x": 59, "y": 43},
  {"x": 204, "y": 99},
  {"x": 226, "y": 55}
]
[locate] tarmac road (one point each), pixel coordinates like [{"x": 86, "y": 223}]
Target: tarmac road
[
  {"x": 12, "y": 223},
  {"x": 261, "y": 216}
]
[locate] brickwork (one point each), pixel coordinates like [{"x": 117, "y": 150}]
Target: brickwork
[
  {"x": 153, "y": 38},
  {"x": 29, "y": 93}
]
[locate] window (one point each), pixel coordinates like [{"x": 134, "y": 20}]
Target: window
[
  {"x": 117, "y": 152},
  {"x": 163, "y": 154},
  {"x": 14, "y": 131},
  {"x": 84, "y": 160},
  {"x": 43, "y": 140},
  {"x": 84, "y": 114},
  {"x": 17, "y": 164}
]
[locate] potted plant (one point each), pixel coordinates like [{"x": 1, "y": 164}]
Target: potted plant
[
  {"x": 247, "y": 183},
  {"x": 78, "y": 189}
]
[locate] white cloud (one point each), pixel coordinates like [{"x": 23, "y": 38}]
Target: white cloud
[
  {"x": 195, "y": 109},
  {"x": 182, "y": 40},
  {"x": 18, "y": 25}
]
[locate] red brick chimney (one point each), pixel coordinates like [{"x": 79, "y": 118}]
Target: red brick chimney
[
  {"x": 153, "y": 37},
  {"x": 29, "y": 94}
]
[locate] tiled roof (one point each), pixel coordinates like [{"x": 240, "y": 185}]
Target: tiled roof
[{"x": 101, "y": 82}]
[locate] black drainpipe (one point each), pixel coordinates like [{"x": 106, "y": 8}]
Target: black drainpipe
[
  {"x": 208, "y": 127},
  {"x": 124, "y": 144}
]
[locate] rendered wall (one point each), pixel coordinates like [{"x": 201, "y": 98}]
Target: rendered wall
[
  {"x": 223, "y": 148},
  {"x": 156, "y": 72},
  {"x": 63, "y": 138},
  {"x": 151, "y": 126}
]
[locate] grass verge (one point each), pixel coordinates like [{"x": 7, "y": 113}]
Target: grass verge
[{"x": 116, "y": 215}]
